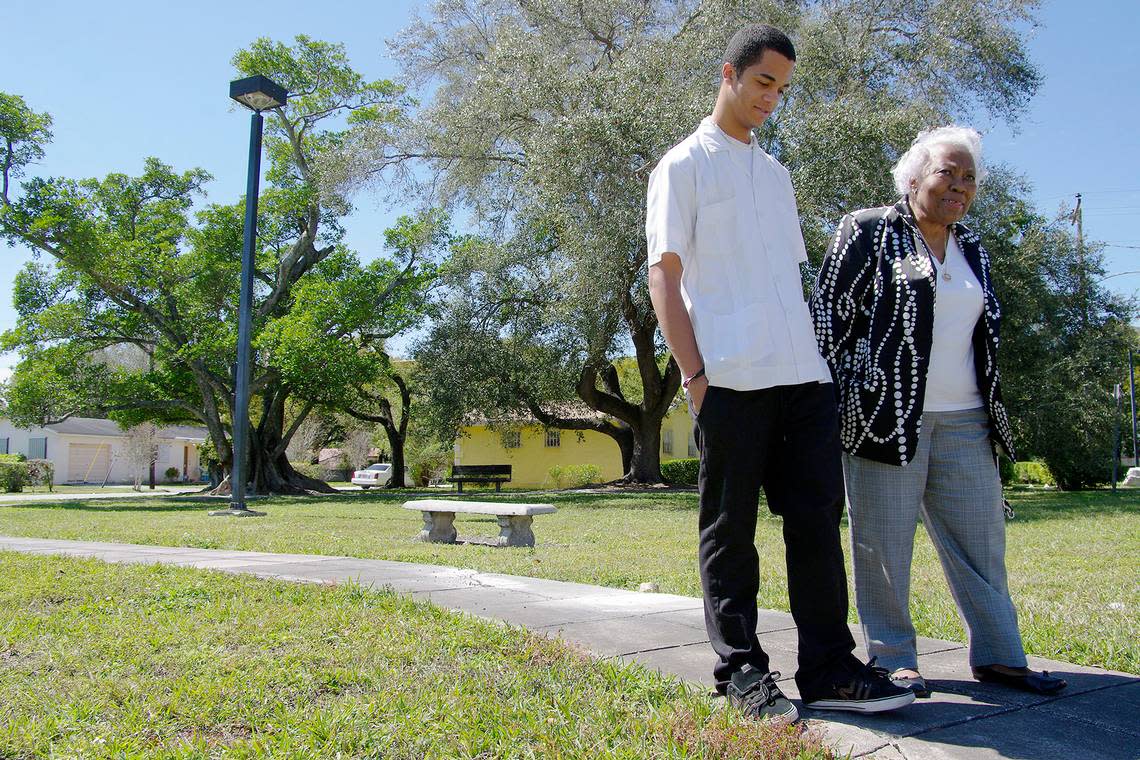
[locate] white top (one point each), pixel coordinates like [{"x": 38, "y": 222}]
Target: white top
[
  {"x": 951, "y": 380},
  {"x": 727, "y": 209}
]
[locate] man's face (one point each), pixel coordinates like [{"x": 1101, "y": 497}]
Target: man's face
[{"x": 756, "y": 91}]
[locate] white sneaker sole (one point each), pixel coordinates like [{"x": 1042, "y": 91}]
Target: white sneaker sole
[
  {"x": 789, "y": 717},
  {"x": 882, "y": 704}
]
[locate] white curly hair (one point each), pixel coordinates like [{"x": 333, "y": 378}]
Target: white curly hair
[{"x": 911, "y": 164}]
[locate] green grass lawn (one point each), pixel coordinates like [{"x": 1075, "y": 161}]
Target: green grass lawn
[
  {"x": 113, "y": 661},
  {"x": 1074, "y": 558}
]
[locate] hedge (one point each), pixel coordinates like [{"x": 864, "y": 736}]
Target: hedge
[
  {"x": 1034, "y": 472},
  {"x": 681, "y": 471},
  {"x": 574, "y": 475},
  {"x": 15, "y": 473}
]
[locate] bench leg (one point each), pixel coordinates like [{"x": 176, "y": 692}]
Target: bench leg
[
  {"x": 459, "y": 487},
  {"x": 498, "y": 486},
  {"x": 439, "y": 528},
  {"x": 514, "y": 530}
]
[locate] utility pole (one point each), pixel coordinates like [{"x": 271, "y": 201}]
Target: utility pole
[
  {"x": 1078, "y": 220},
  {"x": 1132, "y": 395}
]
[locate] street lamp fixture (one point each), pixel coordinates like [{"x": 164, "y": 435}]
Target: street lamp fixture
[{"x": 256, "y": 93}]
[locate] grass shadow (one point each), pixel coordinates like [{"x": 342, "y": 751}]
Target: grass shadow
[{"x": 110, "y": 505}]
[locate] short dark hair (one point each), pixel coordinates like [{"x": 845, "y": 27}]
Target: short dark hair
[{"x": 747, "y": 46}]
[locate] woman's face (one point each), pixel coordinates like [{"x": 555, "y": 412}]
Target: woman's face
[{"x": 946, "y": 188}]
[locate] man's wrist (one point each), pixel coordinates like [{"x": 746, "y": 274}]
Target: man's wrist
[{"x": 685, "y": 382}]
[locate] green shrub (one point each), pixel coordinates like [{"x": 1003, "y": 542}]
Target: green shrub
[
  {"x": 12, "y": 458},
  {"x": 40, "y": 472},
  {"x": 574, "y": 475},
  {"x": 172, "y": 474},
  {"x": 1034, "y": 472},
  {"x": 308, "y": 470},
  {"x": 681, "y": 471},
  {"x": 1007, "y": 471},
  {"x": 13, "y": 476}
]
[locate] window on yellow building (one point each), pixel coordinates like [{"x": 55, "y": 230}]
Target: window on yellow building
[
  {"x": 666, "y": 441},
  {"x": 553, "y": 439},
  {"x": 512, "y": 439}
]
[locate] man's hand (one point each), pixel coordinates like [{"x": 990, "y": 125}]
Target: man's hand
[{"x": 696, "y": 391}]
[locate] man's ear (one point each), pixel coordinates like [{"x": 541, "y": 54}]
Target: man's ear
[{"x": 727, "y": 71}]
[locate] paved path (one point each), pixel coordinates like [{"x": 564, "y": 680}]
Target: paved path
[{"x": 1097, "y": 716}]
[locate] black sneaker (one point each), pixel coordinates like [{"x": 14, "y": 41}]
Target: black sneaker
[
  {"x": 756, "y": 695},
  {"x": 858, "y": 688}
]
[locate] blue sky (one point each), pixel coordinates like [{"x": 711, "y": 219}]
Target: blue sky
[{"x": 128, "y": 79}]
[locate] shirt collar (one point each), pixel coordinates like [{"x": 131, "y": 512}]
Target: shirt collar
[{"x": 714, "y": 138}]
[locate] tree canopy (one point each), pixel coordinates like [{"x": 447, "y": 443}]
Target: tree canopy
[
  {"x": 132, "y": 265},
  {"x": 547, "y": 117}
]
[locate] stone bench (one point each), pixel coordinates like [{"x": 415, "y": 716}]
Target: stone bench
[{"x": 514, "y": 519}]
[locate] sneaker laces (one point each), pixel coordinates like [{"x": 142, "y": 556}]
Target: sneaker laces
[
  {"x": 874, "y": 671},
  {"x": 865, "y": 682},
  {"x": 763, "y": 691}
]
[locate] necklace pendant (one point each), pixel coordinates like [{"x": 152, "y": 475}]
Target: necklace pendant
[{"x": 946, "y": 275}]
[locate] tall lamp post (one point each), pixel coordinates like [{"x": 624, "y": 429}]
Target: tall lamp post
[{"x": 257, "y": 94}]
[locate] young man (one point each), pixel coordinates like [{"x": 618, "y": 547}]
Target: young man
[{"x": 724, "y": 253}]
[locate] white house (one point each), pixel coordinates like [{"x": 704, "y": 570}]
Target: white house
[{"x": 87, "y": 450}]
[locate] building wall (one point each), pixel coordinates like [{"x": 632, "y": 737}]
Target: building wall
[
  {"x": 171, "y": 453},
  {"x": 532, "y": 460}
]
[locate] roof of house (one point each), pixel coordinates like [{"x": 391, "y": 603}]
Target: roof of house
[{"x": 110, "y": 428}]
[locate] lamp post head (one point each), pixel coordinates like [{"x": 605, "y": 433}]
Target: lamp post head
[{"x": 258, "y": 93}]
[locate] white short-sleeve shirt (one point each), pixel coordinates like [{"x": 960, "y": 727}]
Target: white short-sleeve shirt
[{"x": 727, "y": 209}]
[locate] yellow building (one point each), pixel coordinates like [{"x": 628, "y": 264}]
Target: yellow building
[{"x": 532, "y": 450}]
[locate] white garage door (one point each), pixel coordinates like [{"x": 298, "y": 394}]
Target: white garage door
[{"x": 87, "y": 462}]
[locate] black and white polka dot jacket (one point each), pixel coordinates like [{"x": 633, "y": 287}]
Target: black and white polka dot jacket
[{"x": 873, "y": 308}]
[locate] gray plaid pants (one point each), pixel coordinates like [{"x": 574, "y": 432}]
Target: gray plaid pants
[{"x": 953, "y": 484}]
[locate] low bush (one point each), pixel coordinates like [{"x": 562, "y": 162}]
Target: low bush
[
  {"x": 1008, "y": 471},
  {"x": 1033, "y": 472},
  {"x": 574, "y": 475},
  {"x": 681, "y": 471},
  {"x": 13, "y": 476},
  {"x": 40, "y": 472},
  {"x": 308, "y": 470},
  {"x": 12, "y": 458},
  {"x": 172, "y": 474}
]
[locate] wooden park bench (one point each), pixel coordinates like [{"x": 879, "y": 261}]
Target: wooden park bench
[
  {"x": 480, "y": 473},
  {"x": 514, "y": 519}
]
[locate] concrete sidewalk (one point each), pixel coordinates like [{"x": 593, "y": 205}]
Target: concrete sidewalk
[{"x": 1098, "y": 715}]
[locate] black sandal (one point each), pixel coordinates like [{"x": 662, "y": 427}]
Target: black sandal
[{"x": 1033, "y": 682}]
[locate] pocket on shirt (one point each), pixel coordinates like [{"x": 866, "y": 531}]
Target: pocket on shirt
[
  {"x": 716, "y": 229},
  {"x": 738, "y": 341}
]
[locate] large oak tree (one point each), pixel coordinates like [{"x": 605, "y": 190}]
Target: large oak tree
[{"x": 544, "y": 118}]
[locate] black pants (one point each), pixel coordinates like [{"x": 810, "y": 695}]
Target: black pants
[{"x": 786, "y": 441}]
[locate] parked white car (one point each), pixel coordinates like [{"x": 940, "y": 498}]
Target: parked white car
[{"x": 374, "y": 475}]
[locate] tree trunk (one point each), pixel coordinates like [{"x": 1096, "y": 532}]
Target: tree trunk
[
  {"x": 645, "y": 462},
  {"x": 268, "y": 468},
  {"x": 396, "y": 444}
]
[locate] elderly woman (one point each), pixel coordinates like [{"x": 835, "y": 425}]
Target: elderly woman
[{"x": 906, "y": 317}]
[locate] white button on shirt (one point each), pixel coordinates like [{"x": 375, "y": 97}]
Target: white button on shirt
[{"x": 727, "y": 209}]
